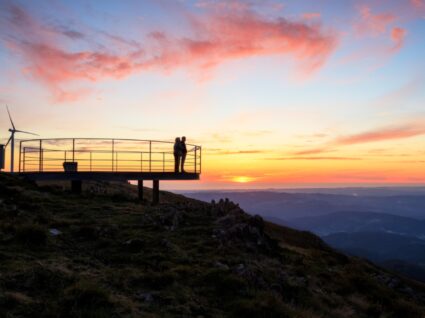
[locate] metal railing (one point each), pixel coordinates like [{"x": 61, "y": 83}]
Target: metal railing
[{"x": 104, "y": 155}]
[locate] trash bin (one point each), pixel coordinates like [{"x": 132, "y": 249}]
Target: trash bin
[
  {"x": 70, "y": 166},
  {"x": 2, "y": 154}
]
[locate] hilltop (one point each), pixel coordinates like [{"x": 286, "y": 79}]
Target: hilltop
[{"x": 105, "y": 254}]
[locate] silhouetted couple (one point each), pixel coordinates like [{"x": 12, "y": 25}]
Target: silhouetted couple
[{"x": 180, "y": 152}]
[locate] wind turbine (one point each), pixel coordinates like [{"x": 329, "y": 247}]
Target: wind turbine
[{"x": 11, "y": 140}]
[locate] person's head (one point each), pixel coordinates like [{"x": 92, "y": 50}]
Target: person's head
[
  {"x": 183, "y": 138},
  {"x": 177, "y": 139}
]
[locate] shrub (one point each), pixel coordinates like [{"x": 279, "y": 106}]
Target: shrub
[
  {"x": 374, "y": 310},
  {"x": 85, "y": 299},
  {"x": 158, "y": 280},
  {"x": 263, "y": 305},
  {"x": 6, "y": 302},
  {"x": 224, "y": 283},
  {"x": 31, "y": 234},
  {"x": 406, "y": 309}
]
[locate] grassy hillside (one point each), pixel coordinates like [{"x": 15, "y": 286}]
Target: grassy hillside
[{"x": 104, "y": 254}]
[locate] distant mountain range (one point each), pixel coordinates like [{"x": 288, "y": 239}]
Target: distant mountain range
[
  {"x": 358, "y": 222},
  {"x": 394, "y": 242},
  {"x": 379, "y": 246},
  {"x": 404, "y": 254},
  {"x": 288, "y": 206}
]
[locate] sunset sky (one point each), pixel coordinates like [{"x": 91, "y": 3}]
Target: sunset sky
[{"x": 278, "y": 93}]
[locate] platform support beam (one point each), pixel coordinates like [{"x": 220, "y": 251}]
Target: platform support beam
[
  {"x": 76, "y": 186},
  {"x": 140, "y": 188},
  {"x": 155, "y": 192}
]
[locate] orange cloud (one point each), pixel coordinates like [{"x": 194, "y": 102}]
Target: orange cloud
[
  {"x": 316, "y": 158},
  {"x": 219, "y": 36},
  {"x": 313, "y": 151},
  {"x": 235, "y": 152}
]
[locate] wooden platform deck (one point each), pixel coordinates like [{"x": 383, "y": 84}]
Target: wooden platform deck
[{"x": 107, "y": 176}]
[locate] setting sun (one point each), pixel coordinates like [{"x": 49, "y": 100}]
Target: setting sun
[{"x": 242, "y": 179}]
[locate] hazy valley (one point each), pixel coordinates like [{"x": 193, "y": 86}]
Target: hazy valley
[{"x": 384, "y": 225}]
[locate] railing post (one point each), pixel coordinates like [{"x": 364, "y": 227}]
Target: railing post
[
  {"x": 23, "y": 163},
  {"x": 200, "y": 159},
  {"x": 40, "y": 157},
  {"x": 150, "y": 156},
  {"x": 73, "y": 150},
  {"x": 20, "y": 154},
  {"x": 65, "y": 155},
  {"x": 155, "y": 192},
  {"x": 116, "y": 161},
  {"x": 113, "y": 149},
  {"x": 140, "y": 189},
  {"x": 196, "y": 148},
  {"x": 141, "y": 162},
  {"x": 163, "y": 162}
]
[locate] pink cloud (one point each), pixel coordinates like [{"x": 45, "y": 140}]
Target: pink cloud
[
  {"x": 311, "y": 15},
  {"x": 220, "y": 36},
  {"x": 373, "y": 24},
  {"x": 389, "y": 38},
  {"x": 419, "y": 4},
  {"x": 412, "y": 129},
  {"x": 397, "y": 36},
  {"x": 384, "y": 134}
]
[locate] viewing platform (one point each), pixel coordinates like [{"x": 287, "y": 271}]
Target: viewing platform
[{"x": 80, "y": 159}]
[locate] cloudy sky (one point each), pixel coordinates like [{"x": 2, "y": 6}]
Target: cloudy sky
[{"x": 278, "y": 93}]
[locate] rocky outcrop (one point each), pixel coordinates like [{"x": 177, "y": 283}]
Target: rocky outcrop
[{"x": 234, "y": 226}]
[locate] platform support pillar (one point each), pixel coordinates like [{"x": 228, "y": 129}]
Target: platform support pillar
[
  {"x": 140, "y": 188},
  {"x": 155, "y": 192},
  {"x": 76, "y": 186}
]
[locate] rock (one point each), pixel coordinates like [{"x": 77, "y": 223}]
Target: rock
[
  {"x": 172, "y": 219},
  {"x": 134, "y": 245},
  {"x": 235, "y": 227},
  {"x": 54, "y": 232},
  {"x": 221, "y": 266},
  {"x": 240, "y": 269},
  {"x": 393, "y": 283},
  {"x": 166, "y": 243},
  {"x": 227, "y": 220},
  {"x": 258, "y": 222},
  {"x": 108, "y": 231},
  {"x": 224, "y": 207},
  {"x": 146, "y": 297},
  {"x": 298, "y": 281}
]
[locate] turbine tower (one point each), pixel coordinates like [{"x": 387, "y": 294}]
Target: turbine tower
[{"x": 11, "y": 140}]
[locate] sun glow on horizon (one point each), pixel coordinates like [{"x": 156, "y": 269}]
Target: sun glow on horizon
[{"x": 243, "y": 179}]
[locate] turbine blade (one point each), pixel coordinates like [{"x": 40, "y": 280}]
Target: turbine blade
[
  {"x": 10, "y": 117},
  {"x": 8, "y": 142},
  {"x": 26, "y": 132}
]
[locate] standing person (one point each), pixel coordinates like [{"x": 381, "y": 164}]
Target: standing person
[
  {"x": 183, "y": 152},
  {"x": 177, "y": 154}
]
